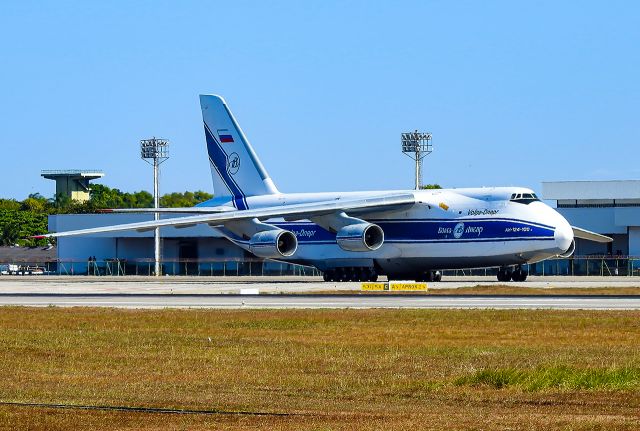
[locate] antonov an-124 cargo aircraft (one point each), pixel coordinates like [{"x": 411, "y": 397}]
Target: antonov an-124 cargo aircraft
[{"x": 357, "y": 236}]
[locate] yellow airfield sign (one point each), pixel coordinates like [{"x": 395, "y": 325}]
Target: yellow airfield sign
[
  {"x": 408, "y": 287},
  {"x": 395, "y": 286},
  {"x": 375, "y": 286}
]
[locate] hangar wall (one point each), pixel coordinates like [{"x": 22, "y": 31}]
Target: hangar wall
[
  {"x": 634, "y": 241},
  {"x": 198, "y": 242},
  {"x": 607, "y": 207}
]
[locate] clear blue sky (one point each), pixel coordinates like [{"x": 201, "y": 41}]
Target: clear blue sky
[{"x": 515, "y": 93}]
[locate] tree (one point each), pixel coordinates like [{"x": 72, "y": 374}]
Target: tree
[
  {"x": 62, "y": 200},
  {"x": 37, "y": 196},
  {"x": 182, "y": 200},
  {"x": 16, "y": 226},
  {"x": 9, "y": 204},
  {"x": 21, "y": 220},
  {"x": 104, "y": 197},
  {"x": 431, "y": 186},
  {"x": 31, "y": 204},
  {"x": 8, "y": 233}
]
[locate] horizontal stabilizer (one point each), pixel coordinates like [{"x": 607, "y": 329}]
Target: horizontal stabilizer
[{"x": 588, "y": 235}]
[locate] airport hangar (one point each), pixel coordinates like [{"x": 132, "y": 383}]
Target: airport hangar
[
  {"x": 607, "y": 207},
  {"x": 611, "y": 208}
]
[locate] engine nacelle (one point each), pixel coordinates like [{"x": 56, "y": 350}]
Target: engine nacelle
[
  {"x": 360, "y": 237},
  {"x": 273, "y": 243}
]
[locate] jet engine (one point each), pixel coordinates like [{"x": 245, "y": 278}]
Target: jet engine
[
  {"x": 273, "y": 243},
  {"x": 360, "y": 237}
]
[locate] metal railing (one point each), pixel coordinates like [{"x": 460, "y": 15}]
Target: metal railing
[
  {"x": 604, "y": 265},
  {"x": 576, "y": 266},
  {"x": 145, "y": 267}
]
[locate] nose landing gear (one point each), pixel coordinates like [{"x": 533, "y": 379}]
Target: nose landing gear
[
  {"x": 429, "y": 276},
  {"x": 518, "y": 274}
]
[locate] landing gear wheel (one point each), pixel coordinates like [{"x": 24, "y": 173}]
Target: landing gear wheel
[
  {"x": 504, "y": 274},
  {"x": 437, "y": 276},
  {"x": 353, "y": 274},
  {"x": 350, "y": 274},
  {"x": 327, "y": 275},
  {"x": 519, "y": 275},
  {"x": 370, "y": 275}
]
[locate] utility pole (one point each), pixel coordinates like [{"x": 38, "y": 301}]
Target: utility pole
[{"x": 155, "y": 151}]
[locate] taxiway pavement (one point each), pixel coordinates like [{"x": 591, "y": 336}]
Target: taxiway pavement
[
  {"x": 226, "y": 285},
  {"x": 293, "y": 292}
]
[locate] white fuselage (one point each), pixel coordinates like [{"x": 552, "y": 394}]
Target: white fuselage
[{"x": 445, "y": 229}]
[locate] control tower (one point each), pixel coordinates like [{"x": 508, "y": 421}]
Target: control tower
[{"x": 73, "y": 183}]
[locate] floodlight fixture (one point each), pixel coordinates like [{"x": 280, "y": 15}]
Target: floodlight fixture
[{"x": 417, "y": 145}]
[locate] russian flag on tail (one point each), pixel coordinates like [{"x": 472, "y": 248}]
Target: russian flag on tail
[{"x": 224, "y": 135}]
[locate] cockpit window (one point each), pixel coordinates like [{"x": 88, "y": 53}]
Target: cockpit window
[{"x": 524, "y": 198}]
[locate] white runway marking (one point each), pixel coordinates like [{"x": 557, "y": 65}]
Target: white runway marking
[{"x": 324, "y": 301}]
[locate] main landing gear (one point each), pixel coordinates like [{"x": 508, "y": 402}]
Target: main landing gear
[
  {"x": 429, "y": 276},
  {"x": 518, "y": 274},
  {"x": 350, "y": 274}
]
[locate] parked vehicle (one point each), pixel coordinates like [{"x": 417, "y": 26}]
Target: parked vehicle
[{"x": 12, "y": 269}]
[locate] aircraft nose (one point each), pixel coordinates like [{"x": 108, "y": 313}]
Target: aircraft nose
[{"x": 563, "y": 235}]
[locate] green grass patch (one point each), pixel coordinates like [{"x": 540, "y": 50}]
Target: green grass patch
[
  {"x": 555, "y": 377},
  {"x": 333, "y": 369}
]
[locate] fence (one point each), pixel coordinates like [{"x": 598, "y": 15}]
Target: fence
[
  {"x": 576, "y": 266},
  {"x": 145, "y": 267}
]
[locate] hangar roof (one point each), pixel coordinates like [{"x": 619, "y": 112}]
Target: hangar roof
[
  {"x": 616, "y": 189},
  {"x": 27, "y": 254}
]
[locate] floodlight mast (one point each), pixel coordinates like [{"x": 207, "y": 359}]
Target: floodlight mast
[
  {"x": 155, "y": 151},
  {"x": 417, "y": 145}
]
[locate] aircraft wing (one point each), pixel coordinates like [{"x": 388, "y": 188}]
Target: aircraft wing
[
  {"x": 289, "y": 212},
  {"x": 185, "y": 210},
  {"x": 588, "y": 235}
]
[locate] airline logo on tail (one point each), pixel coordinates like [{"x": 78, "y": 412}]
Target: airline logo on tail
[
  {"x": 233, "y": 163},
  {"x": 224, "y": 136}
]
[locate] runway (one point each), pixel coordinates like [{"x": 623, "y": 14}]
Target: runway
[
  {"x": 216, "y": 301},
  {"x": 298, "y": 292},
  {"x": 274, "y": 285}
]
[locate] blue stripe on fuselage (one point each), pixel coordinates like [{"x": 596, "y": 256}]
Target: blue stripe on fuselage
[
  {"x": 442, "y": 231},
  {"x": 435, "y": 220}
]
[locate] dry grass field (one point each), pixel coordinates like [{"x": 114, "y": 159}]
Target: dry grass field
[{"x": 320, "y": 370}]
